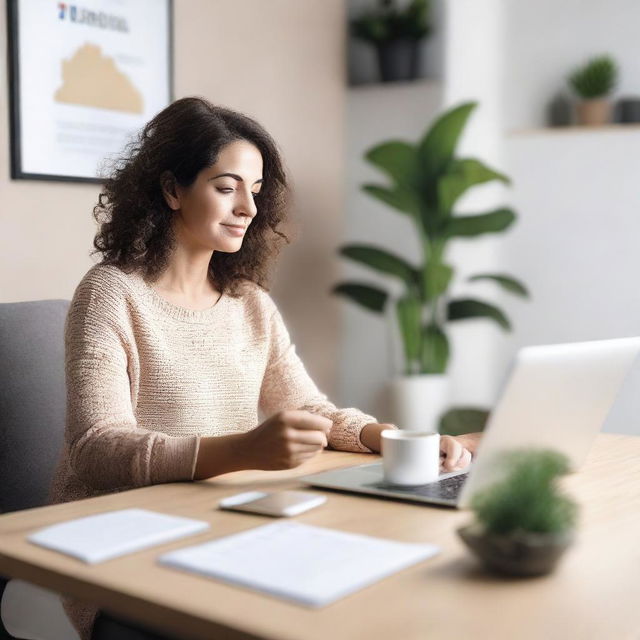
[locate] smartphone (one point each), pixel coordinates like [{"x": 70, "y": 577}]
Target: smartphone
[{"x": 277, "y": 504}]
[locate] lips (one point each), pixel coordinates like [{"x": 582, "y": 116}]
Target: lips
[{"x": 234, "y": 230}]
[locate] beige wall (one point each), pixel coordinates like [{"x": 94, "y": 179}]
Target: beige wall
[{"x": 280, "y": 61}]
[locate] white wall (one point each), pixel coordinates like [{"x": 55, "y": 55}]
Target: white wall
[
  {"x": 575, "y": 189},
  {"x": 577, "y": 243},
  {"x": 575, "y": 192},
  {"x": 547, "y": 39},
  {"x": 474, "y": 70}
]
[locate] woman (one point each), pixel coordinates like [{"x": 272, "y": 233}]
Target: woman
[{"x": 173, "y": 345}]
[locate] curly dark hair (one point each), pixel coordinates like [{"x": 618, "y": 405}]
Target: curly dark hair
[{"x": 136, "y": 223}]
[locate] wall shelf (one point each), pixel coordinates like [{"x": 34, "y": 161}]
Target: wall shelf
[
  {"x": 575, "y": 130},
  {"x": 400, "y": 85}
]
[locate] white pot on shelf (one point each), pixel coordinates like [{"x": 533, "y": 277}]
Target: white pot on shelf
[{"x": 418, "y": 401}]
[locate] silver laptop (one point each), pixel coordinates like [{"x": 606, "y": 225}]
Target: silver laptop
[{"x": 557, "y": 397}]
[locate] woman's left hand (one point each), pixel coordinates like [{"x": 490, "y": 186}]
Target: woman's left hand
[{"x": 456, "y": 451}]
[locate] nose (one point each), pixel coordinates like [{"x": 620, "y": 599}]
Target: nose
[{"x": 245, "y": 205}]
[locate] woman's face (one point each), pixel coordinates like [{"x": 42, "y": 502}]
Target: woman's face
[{"x": 214, "y": 212}]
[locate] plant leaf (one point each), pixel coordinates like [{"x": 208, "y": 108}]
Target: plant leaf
[
  {"x": 462, "y": 174},
  {"x": 399, "y": 198},
  {"x": 408, "y": 310},
  {"x": 399, "y": 160},
  {"x": 475, "y": 225},
  {"x": 430, "y": 218},
  {"x": 435, "y": 279},
  {"x": 434, "y": 355},
  {"x": 506, "y": 282},
  {"x": 437, "y": 146},
  {"x": 469, "y": 308},
  {"x": 365, "y": 295},
  {"x": 381, "y": 260},
  {"x": 459, "y": 420}
]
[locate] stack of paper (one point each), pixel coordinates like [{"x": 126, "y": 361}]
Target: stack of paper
[
  {"x": 115, "y": 533},
  {"x": 309, "y": 565}
]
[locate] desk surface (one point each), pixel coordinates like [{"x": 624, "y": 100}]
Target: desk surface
[{"x": 595, "y": 593}]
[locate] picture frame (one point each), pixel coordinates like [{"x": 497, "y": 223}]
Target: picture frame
[{"x": 83, "y": 80}]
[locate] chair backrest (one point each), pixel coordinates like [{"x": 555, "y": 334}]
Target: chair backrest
[{"x": 32, "y": 400}]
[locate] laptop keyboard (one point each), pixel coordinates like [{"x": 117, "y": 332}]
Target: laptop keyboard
[{"x": 446, "y": 489}]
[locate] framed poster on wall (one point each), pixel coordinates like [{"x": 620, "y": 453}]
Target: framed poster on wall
[{"x": 84, "y": 78}]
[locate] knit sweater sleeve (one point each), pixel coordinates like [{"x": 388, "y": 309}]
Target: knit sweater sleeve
[
  {"x": 287, "y": 385},
  {"x": 107, "y": 450}
]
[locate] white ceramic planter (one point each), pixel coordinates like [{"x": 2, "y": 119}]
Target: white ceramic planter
[{"x": 418, "y": 401}]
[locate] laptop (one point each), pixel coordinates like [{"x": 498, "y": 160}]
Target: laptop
[{"x": 556, "y": 397}]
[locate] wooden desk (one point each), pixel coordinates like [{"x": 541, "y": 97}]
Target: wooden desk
[{"x": 595, "y": 593}]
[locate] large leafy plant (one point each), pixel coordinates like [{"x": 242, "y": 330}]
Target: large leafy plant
[{"x": 426, "y": 182}]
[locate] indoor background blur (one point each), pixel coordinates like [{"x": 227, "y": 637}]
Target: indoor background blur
[{"x": 292, "y": 65}]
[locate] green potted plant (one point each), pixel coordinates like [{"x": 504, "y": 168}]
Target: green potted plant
[
  {"x": 523, "y": 523},
  {"x": 593, "y": 83},
  {"x": 396, "y": 34},
  {"x": 426, "y": 182}
]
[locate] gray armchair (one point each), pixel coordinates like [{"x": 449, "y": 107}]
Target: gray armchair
[
  {"x": 32, "y": 421},
  {"x": 32, "y": 400},
  {"x": 32, "y": 424}
]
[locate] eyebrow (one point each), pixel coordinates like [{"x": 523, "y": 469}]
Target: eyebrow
[{"x": 235, "y": 176}]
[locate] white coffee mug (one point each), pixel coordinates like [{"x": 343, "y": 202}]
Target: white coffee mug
[{"x": 410, "y": 457}]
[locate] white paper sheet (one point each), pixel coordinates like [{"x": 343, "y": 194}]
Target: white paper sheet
[
  {"x": 115, "y": 533},
  {"x": 310, "y": 565}
]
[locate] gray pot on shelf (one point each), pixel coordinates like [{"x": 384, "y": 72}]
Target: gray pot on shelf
[
  {"x": 398, "y": 59},
  {"x": 559, "y": 111},
  {"x": 627, "y": 110},
  {"x": 518, "y": 554}
]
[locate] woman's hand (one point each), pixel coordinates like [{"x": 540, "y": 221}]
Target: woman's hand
[
  {"x": 456, "y": 451},
  {"x": 285, "y": 440},
  {"x": 370, "y": 434}
]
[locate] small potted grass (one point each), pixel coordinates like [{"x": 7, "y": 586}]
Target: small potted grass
[
  {"x": 524, "y": 523},
  {"x": 593, "y": 83}
]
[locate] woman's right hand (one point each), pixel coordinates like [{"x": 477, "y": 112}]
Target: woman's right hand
[{"x": 286, "y": 440}]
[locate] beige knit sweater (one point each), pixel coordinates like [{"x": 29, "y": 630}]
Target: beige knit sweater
[{"x": 146, "y": 379}]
